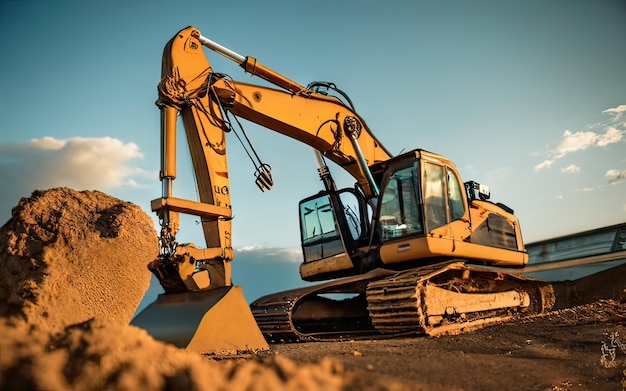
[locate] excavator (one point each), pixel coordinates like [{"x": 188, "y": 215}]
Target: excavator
[{"x": 409, "y": 249}]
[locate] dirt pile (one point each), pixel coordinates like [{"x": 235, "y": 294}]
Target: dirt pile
[
  {"x": 97, "y": 355},
  {"x": 70, "y": 256},
  {"x": 72, "y": 272}
]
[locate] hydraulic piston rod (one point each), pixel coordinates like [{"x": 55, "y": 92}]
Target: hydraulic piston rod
[{"x": 250, "y": 65}]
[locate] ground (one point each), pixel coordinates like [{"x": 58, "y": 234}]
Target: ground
[{"x": 571, "y": 349}]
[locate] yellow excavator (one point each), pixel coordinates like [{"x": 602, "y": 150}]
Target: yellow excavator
[{"x": 411, "y": 248}]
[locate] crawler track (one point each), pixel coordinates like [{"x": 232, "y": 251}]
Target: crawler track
[
  {"x": 306, "y": 314},
  {"x": 448, "y": 298},
  {"x": 452, "y": 299}
]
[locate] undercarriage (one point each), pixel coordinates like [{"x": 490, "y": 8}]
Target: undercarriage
[{"x": 448, "y": 298}]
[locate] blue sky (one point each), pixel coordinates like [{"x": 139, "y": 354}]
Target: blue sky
[{"x": 528, "y": 97}]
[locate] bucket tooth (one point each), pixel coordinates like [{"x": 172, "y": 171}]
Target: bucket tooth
[{"x": 216, "y": 322}]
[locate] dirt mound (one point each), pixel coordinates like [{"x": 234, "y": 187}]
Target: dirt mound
[
  {"x": 70, "y": 256},
  {"x": 96, "y": 355},
  {"x": 73, "y": 268}
]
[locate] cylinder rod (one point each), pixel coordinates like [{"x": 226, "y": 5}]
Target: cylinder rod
[
  {"x": 168, "y": 148},
  {"x": 224, "y": 51}
]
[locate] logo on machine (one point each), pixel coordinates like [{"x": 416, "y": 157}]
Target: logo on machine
[{"x": 221, "y": 190}]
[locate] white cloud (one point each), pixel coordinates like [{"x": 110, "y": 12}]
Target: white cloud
[
  {"x": 544, "y": 165},
  {"x": 615, "y": 176},
  {"x": 571, "y": 169},
  {"x": 80, "y": 163},
  {"x": 616, "y": 111},
  {"x": 48, "y": 143},
  {"x": 579, "y": 141},
  {"x": 612, "y": 136},
  {"x": 277, "y": 254},
  {"x": 583, "y": 190},
  {"x": 572, "y": 142}
]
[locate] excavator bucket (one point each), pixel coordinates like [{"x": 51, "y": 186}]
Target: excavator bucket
[{"x": 215, "y": 322}]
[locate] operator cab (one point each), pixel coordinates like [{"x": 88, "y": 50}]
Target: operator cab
[
  {"x": 424, "y": 211},
  {"x": 336, "y": 225},
  {"x": 419, "y": 193},
  {"x": 427, "y": 212}
]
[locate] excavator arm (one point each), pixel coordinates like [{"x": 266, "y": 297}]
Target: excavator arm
[
  {"x": 203, "y": 98},
  {"x": 189, "y": 88},
  {"x": 323, "y": 122},
  {"x": 307, "y": 116},
  {"x": 183, "y": 268}
]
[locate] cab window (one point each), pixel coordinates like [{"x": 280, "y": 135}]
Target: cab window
[
  {"x": 434, "y": 196},
  {"x": 455, "y": 196},
  {"x": 400, "y": 214}
]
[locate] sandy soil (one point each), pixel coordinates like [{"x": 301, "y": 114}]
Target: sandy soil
[
  {"x": 73, "y": 270},
  {"x": 98, "y": 355},
  {"x": 566, "y": 350},
  {"x": 571, "y": 349},
  {"x": 69, "y": 256}
]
